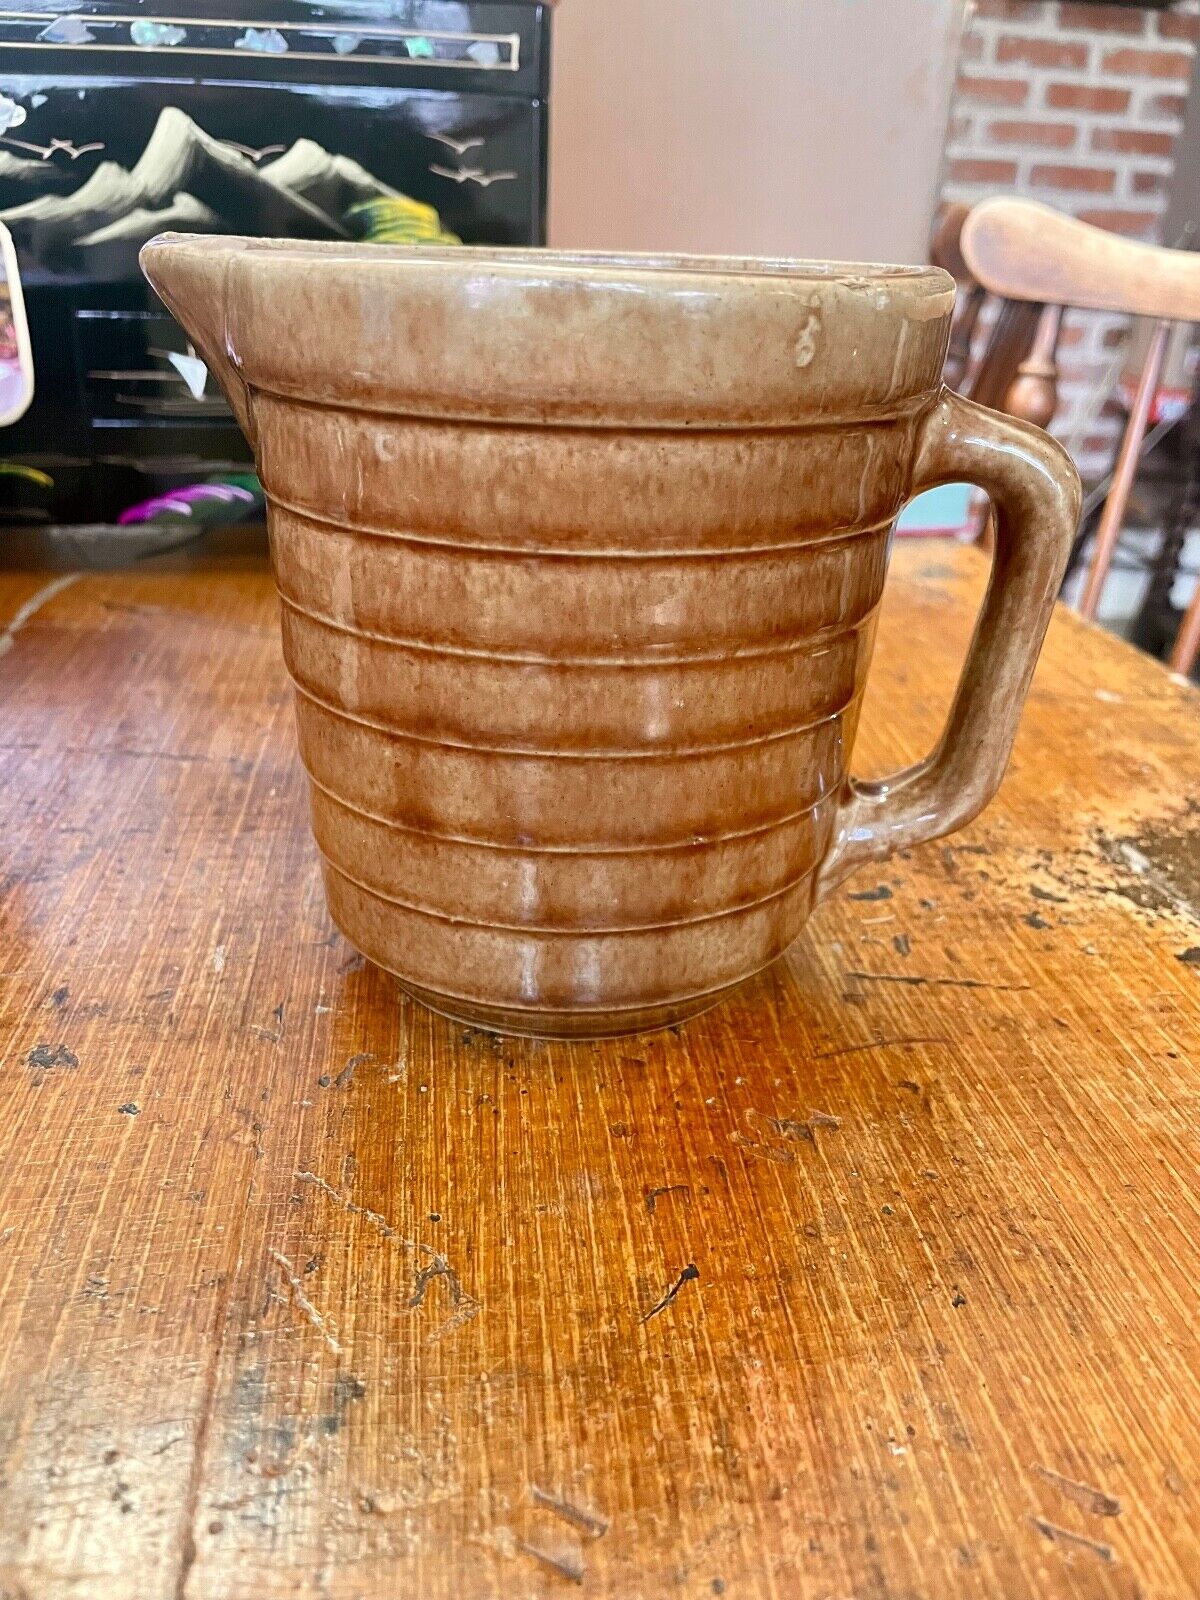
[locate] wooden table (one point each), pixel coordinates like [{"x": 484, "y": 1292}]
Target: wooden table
[{"x": 879, "y": 1281}]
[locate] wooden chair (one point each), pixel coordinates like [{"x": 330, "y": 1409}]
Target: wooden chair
[
  {"x": 1016, "y": 371},
  {"x": 1032, "y": 256}
]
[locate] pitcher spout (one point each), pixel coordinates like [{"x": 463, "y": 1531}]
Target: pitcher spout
[{"x": 189, "y": 273}]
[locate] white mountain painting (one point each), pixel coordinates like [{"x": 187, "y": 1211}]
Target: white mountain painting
[
  {"x": 22, "y": 172},
  {"x": 331, "y": 183},
  {"x": 185, "y": 178}
]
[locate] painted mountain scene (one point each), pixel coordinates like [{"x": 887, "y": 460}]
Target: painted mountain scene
[{"x": 188, "y": 180}]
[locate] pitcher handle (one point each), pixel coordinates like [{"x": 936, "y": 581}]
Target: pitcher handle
[{"x": 1035, "y": 494}]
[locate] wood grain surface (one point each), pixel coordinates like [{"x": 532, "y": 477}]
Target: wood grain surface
[{"x": 879, "y": 1281}]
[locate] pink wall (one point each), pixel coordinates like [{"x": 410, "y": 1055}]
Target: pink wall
[{"x": 793, "y": 127}]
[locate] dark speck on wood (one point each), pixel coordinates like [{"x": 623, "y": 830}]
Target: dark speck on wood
[
  {"x": 347, "y": 1387},
  {"x": 60, "y": 997},
  {"x": 1045, "y": 895},
  {"x": 47, "y": 1056},
  {"x": 880, "y": 892},
  {"x": 791, "y": 1128},
  {"x": 346, "y": 1076},
  {"x": 1190, "y": 957},
  {"x": 690, "y": 1274},
  {"x": 900, "y": 944},
  {"x": 1034, "y": 921},
  {"x": 130, "y": 1109},
  {"x": 654, "y": 1195},
  {"x": 483, "y": 1039},
  {"x": 1157, "y": 869}
]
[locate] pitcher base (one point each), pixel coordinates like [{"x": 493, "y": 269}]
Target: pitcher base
[{"x": 565, "y": 1024}]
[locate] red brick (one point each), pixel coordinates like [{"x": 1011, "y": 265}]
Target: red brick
[
  {"x": 976, "y": 169},
  {"x": 1013, "y": 10},
  {"x": 1149, "y": 63},
  {"x": 1070, "y": 335},
  {"x": 1172, "y": 26},
  {"x": 1171, "y": 106},
  {"x": 1133, "y": 223},
  {"x": 994, "y": 91},
  {"x": 1149, "y": 183},
  {"x": 972, "y": 47},
  {"x": 1034, "y": 52},
  {"x": 958, "y": 127},
  {"x": 1047, "y": 135},
  {"x": 1086, "y": 97},
  {"x": 1088, "y": 180},
  {"x": 1102, "y": 19},
  {"x": 1133, "y": 142},
  {"x": 1114, "y": 338}
]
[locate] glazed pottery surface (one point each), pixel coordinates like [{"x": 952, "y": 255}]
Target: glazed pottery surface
[{"x": 579, "y": 560}]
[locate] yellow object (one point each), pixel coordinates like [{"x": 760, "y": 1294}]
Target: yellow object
[
  {"x": 16, "y": 469},
  {"x": 398, "y": 221}
]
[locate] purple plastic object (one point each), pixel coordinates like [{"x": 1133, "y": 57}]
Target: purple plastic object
[{"x": 180, "y": 502}]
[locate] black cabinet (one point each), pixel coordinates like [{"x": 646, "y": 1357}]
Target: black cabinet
[{"x": 356, "y": 119}]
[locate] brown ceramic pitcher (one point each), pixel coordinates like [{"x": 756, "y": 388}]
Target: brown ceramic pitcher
[{"x": 579, "y": 560}]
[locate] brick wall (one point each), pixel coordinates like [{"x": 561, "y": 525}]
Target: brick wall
[{"x": 1079, "y": 106}]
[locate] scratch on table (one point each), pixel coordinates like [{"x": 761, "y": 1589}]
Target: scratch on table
[
  {"x": 381, "y": 1224},
  {"x": 303, "y": 1304},
  {"x": 791, "y": 1128},
  {"x": 346, "y": 1076},
  {"x": 881, "y": 1044},
  {"x": 466, "y": 1310},
  {"x": 464, "y": 1304},
  {"x": 917, "y": 980},
  {"x": 653, "y": 1196},
  {"x": 690, "y": 1274},
  {"x": 32, "y": 606},
  {"x": 1096, "y": 1501},
  {"x": 569, "y": 1566},
  {"x": 1057, "y": 1535},
  {"x": 769, "y": 1152},
  {"x": 588, "y": 1521}
]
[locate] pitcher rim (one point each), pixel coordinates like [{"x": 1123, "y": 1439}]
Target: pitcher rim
[{"x": 709, "y": 268}]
